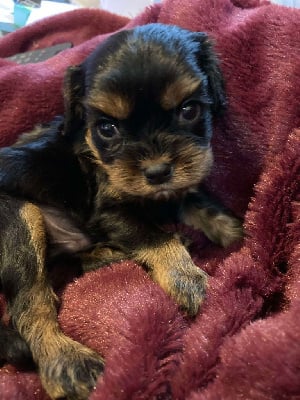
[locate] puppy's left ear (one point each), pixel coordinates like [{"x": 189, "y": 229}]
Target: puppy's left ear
[
  {"x": 209, "y": 64},
  {"x": 74, "y": 89}
]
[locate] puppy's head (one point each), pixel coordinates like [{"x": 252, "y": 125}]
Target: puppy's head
[{"x": 145, "y": 101}]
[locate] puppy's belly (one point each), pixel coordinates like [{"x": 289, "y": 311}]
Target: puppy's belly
[{"x": 63, "y": 234}]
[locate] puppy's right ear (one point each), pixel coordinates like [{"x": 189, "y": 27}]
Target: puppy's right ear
[{"x": 74, "y": 89}]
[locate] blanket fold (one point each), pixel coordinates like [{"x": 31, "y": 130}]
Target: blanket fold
[{"x": 245, "y": 341}]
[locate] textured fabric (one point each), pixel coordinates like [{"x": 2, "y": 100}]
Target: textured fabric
[{"x": 245, "y": 341}]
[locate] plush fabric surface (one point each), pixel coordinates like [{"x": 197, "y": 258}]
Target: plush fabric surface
[{"x": 245, "y": 341}]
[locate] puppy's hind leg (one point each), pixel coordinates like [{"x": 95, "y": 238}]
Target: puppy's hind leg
[{"x": 67, "y": 369}]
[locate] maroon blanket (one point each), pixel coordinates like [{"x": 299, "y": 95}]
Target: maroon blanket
[{"x": 245, "y": 342}]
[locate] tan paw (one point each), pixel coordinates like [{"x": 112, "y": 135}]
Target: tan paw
[
  {"x": 188, "y": 287},
  {"x": 226, "y": 230},
  {"x": 72, "y": 374}
]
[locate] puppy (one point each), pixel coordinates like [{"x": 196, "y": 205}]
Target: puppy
[{"x": 127, "y": 158}]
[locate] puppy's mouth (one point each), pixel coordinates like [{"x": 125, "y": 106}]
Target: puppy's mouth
[{"x": 166, "y": 194}]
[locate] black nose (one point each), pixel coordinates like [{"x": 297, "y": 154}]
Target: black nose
[{"x": 158, "y": 173}]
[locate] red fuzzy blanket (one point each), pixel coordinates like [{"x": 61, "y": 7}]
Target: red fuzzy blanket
[{"x": 245, "y": 342}]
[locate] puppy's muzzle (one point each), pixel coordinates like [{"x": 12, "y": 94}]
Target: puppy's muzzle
[{"x": 158, "y": 173}]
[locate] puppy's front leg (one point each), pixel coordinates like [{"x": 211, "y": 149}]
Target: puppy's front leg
[
  {"x": 204, "y": 213},
  {"x": 171, "y": 266},
  {"x": 67, "y": 368}
]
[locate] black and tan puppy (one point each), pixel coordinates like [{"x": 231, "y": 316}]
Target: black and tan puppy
[{"x": 127, "y": 158}]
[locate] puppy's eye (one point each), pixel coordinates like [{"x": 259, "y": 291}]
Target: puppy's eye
[
  {"x": 107, "y": 129},
  {"x": 189, "y": 112}
]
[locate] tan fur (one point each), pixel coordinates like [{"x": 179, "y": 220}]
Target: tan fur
[
  {"x": 33, "y": 218},
  {"x": 39, "y": 318},
  {"x": 177, "y": 91},
  {"x": 114, "y": 105},
  {"x": 91, "y": 145}
]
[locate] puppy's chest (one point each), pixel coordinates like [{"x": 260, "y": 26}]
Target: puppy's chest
[
  {"x": 121, "y": 221},
  {"x": 111, "y": 221}
]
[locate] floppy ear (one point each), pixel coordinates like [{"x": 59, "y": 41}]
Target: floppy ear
[
  {"x": 209, "y": 64},
  {"x": 74, "y": 89}
]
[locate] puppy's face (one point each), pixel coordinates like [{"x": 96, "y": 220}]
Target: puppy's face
[{"x": 145, "y": 100}]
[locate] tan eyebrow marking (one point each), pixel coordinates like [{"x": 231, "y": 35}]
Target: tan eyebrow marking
[
  {"x": 176, "y": 92},
  {"x": 115, "y": 105}
]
